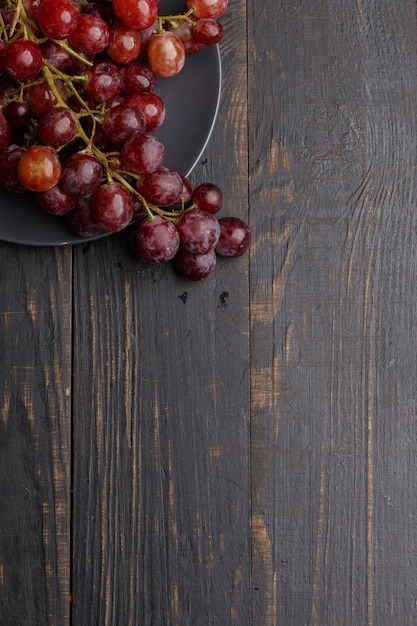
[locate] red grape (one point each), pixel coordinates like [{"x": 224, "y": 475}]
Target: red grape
[
  {"x": 195, "y": 266},
  {"x": 121, "y": 121},
  {"x": 154, "y": 241},
  {"x": 199, "y": 231},
  {"x": 81, "y": 175},
  {"x": 103, "y": 81},
  {"x": 55, "y": 201},
  {"x": 39, "y": 168},
  {"x": 235, "y": 237},
  {"x": 22, "y": 59},
  {"x": 143, "y": 154},
  {"x": 91, "y": 36},
  {"x": 208, "y": 31},
  {"x": 162, "y": 187},
  {"x": 137, "y": 78},
  {"x": 208, "y": 197},
  {"x": 124, "y": 45},
  {"x": 57, "y": 19},
  {"x": 111, "y": 207},
  {"x": 57, "y": 127},
  {"x": 166, "y": 54},
  {"x": 140, "y": 14},
  {"x": 81, "y": 221}
]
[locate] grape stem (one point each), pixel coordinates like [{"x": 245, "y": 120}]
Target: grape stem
[{"x": 174, "y": 19}]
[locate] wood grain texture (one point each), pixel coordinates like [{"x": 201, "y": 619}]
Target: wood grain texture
[
  {"x": 332, "y": 312},
  {"x": 35, "y": 431},
  {"x": 161, "y": 529}
]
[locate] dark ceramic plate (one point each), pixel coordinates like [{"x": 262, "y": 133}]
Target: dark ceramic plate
[{"x": 191, "y": 99}]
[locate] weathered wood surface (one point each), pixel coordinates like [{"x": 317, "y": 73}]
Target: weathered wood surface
[{"x": 241, "y": 450}]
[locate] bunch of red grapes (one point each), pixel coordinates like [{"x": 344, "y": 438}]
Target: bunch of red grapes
[{"x": 77, "y": 113}]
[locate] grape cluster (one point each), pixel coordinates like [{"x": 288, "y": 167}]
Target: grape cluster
[{"x": 77, "y": 113}]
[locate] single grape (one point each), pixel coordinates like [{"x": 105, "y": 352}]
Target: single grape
[
  {"x": 162, "y": 187},
  {"x": 208, "y": 31},
  {"x": 39, "y": 168},
  {"x": 57, "y": 127},
  {"x": 199, "y": 231},
  {"x": 103, "y": 81},
  {"x": 22, "y": 59},
  {"x": 55, "y": 201},
  {"x": 154, "y": 241},
  {"x": 81, "y": 175},
  {"x": 136, "y": 78},
  {"x": 121, "y": 121},
  {"x": 57, "y": 19},
  {"x": 235, "y": 237},
  {"x": 208, "y": 197},
  {"x": 124, "y": 45},
  {"x": 91, "y": 36},
  {"x": 165, "y": 54},
  {"x": 143, "y": 154},
  {"x": 194, "y": 266},
  {"x": 111, "y": 207},
  {"x": 140, "y": 14}
]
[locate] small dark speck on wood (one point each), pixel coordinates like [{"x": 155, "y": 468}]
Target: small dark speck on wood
[
  {"x": 184, "y": 297},
  {"x": 223, "y": 296}
]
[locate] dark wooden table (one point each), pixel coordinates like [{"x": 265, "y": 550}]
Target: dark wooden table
[{"x": 242, "y": 450}]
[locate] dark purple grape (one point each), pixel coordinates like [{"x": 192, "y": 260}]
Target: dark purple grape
[
  {"x": 55, "y": 201},
  {"x": 137, "y": 78},
  {"x": 81, "y": 222},
  {"x": 194, "y": 266},
  {"x": 154, "y": 241},
  {"x": 162, "y": 187},
  {"x": 143, "y": 154},
  {"x": 81, "y": 175},
  {"x": 103, "y": 81},
  {"x": 199, "y": 231},
  {"x": 57, "y": 127},
  {"x": 111, "y": 207},
  {"x": 121, "y": 121},
  {"x": 208, "y": 31},
  {"x": 235, "y": 237},
  {"x": 17, "y": 113},
  {"x": 208, "y": 197}
]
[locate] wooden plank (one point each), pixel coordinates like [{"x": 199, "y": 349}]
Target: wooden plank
[
  {"x": 333, "y": 312},
  {"x": 161, "y": 437},
  {"x": 35, "y": 434}
]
